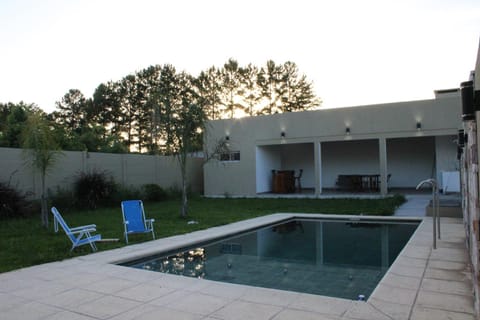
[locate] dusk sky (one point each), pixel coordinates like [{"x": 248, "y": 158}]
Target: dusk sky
[{"x": 354, "y": 52}]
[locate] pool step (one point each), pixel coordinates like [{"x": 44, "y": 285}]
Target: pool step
[{"x": 448, "y": 208}]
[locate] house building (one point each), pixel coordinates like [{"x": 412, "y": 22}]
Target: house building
[{"x": 373, "y": 148}]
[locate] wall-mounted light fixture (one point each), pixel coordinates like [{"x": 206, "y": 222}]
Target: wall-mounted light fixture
[
  {"x": 227, "y": 137},
  {"x": 282, "y": 134},
  {"x": 419, "y": 125},
  {"x": 347, "y": 130}
]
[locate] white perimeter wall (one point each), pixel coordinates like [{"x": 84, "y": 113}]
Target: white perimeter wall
[{"x": 126, "y": 169}]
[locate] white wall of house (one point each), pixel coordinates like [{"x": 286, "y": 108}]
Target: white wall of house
[
  {"x": 446, "y": 156},
  {"x": 410, "y": 160},
  {"x": 348, "y": 157},
  {"x": 362, "y": 151},
  {"x": 300, "y": 156},
  {"x": 268, "y": 159},
  {"x": 284, "y": 157}
]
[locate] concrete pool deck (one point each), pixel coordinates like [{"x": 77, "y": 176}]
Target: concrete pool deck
[{"x": 422, "y": 284}]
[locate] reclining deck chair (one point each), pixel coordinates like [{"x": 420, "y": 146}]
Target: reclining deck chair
[
  {"x": 134, "y": 219},
  {"x": 78, "y": 235}
]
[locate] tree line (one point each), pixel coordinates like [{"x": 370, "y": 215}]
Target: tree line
[{"x": 142, "y": 112}]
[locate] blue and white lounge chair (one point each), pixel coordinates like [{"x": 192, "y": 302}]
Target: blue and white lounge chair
[
  {"x": 134, "y": 219},
  {"x": 78, "y": 235}
]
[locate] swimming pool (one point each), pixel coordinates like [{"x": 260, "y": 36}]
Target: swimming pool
[{"x": 343, "y": 258}]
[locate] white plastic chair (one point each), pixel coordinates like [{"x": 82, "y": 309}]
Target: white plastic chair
[{"x": 78, "y": 235}]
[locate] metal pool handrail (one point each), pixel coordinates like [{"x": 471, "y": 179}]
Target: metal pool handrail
[{"x": 435, "y": 208}]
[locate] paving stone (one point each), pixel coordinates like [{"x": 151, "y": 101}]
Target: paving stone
[
  {"x": 450, "y": 257},
  {"x": 15, "y": 283},
  {"x": 246, "y": 310},
  {"x": 111, "y": 285},
  {"x": 362, "y": 310},
  {"x": 447, "y": 265},
  {"x": 419, "y": 252},
  {"x": 9, "y": 301},
  {"x": 69, "y": 315},
  {"x": 163, "y": 313},
  {"x": 445, "y": 274},
  {"x": 406, "y": 271},
  {"x": 229, "y": 291},
  {"x": 40, "y": 290},
  {"x": 143, "y": 310},
  {"x": 81, "y": 280},
  {"x": 72, "y": 298},
  {"x": 394, "y": 294},
  {"x": 420, "y": 313},
  {"x": 180, "y": 282},
  {"x": 395, "y": 280},
  {"x": 411, "y": 262},
  {"x": 447, "y": 302},
  {"x": 267, "y": 296},
  {"x": 170, "y": 298},
  {"x": 321, "y": 304},
  {"x": 198, "y": 303},
  {"x": 29, "y": 311},
  {"x": 289, "y": 314},
  {"x": 106, "y": 307},
  {"x": 447, "y": 286},
  {"x": 394, "y": 310},
  {"x": 143, "y": 292}
]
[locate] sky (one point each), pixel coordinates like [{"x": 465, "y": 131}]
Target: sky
[{"x": 354, "y": 52}]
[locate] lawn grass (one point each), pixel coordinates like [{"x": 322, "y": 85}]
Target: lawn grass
[{"x": 24, "y": 242}]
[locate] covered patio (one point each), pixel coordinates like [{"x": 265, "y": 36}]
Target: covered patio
[{"x": 362, "y": 167}]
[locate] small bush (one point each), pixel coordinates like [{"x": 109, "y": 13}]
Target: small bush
[
  {"x": 93, "y": 189},
  {"x": 174, "y": 192},
  {"x": 153, "y": 192},
  {"x": 124, "y": 193},
  {"x": 13, "y": 203},
  {"x": 63, "y": 199}
]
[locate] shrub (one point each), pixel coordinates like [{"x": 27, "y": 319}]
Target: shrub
[
  {"x": 93, "y": 189},
  {"x": 153, "y": 192},
  {"x": 13, "y": 203},
  {"x": 124, "y": 193},
  {"x": 174, "y": 192},
  {"x": 63, "y": 199}
]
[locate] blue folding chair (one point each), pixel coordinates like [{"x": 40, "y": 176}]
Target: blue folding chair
[
  {"x": 78, "y": 235},
  {"x": 134, "y": 219}
]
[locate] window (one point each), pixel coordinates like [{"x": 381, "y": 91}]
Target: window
[{"x": 230, "y": 156}]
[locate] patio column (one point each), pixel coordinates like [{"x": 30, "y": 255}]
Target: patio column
[
  {"x": 382, "y": 146},
  {"x": 317, "y": 155}
]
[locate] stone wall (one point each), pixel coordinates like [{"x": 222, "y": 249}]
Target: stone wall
[{"x": 470, "y": 201}]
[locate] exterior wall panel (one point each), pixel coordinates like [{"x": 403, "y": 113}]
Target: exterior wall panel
[{"x": 128, "y": 170}]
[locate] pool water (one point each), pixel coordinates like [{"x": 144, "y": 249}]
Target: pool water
[{"x": 339, "y": 258}]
